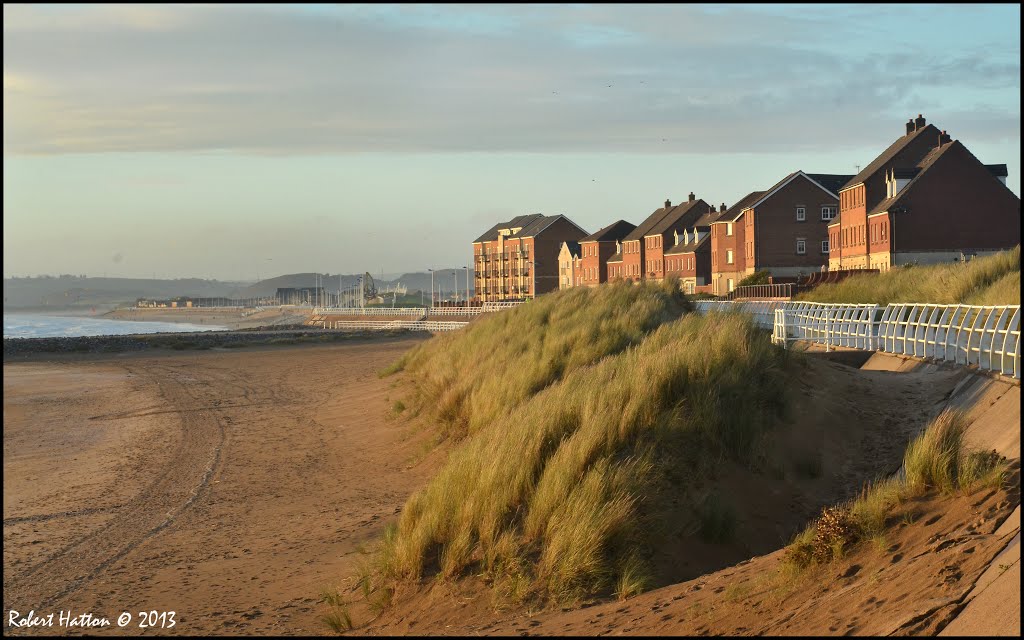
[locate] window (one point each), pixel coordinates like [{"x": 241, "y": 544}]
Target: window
[
  {"x": 824, "y": 246},
  {"x": 728, "y": 228},
  {"x": 728, "y": 257},
  {"x": 828, "y": 212},
  {"x": 730, "y": 284},
  {"x": 801, "y": 214},
  {"x": 801, "y": 246}
]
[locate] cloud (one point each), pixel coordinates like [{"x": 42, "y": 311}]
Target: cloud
[{"x": 327, "y": 79}]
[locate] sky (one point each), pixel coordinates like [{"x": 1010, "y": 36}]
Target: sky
[{"x": 236, "y": 142}]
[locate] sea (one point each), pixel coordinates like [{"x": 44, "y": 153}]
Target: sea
[{"x": 30, "y": 325}]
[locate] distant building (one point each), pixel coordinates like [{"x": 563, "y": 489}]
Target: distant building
[
  {"x": 569, "y": 265},
  {"x": 518, "y": 259},
  {"x": 925, "y": 199},
  {"x": 597, "y": 248}
]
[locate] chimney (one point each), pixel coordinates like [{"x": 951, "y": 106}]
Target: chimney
[
  {"x": 712, "y": 209},
  {"x": 692, "y": 197},
  {"x": 910, "y": 126},
  {"x": 919, "y": 123},
  {"x": 944, "y": 138},
  {"x": 668, "y": 204},
  {"x": 722, "y": 208}
]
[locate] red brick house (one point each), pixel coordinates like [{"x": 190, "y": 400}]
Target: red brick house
[
  {"x": 728, "y": 263},
  {"x": 642, "y": 250},
  {"x": 689, "y": 257},
  {"x": 598, "y": 247},
  {"x": 518, "y": 259}
]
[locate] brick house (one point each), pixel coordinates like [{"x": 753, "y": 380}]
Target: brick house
[
  {"x": 642, "y": 250},
  {"x": 569, "y": 265},
  {"x": 689, "y": 256},
  {"x": 518, "y": 259},
  {"x": 925, "y": 199},
  {"x": 728, "y": 263},
  {"x": 598, "y": 247}
]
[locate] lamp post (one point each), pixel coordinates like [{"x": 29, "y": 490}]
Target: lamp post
[
  {"x": 467, "y": 286},
  {"x": 431, "y": 288}
]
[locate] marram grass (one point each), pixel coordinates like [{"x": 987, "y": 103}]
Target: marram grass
[
  {"x": 576, "y": 411},
  {"x": 990, "y": 280}
]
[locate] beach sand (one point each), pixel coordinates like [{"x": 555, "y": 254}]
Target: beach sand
[
  {"x": 231, "y": 319},
  {"x": 228, "y": 486}
]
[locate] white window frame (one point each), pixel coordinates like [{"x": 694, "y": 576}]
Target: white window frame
[
  {"x": 728, "y": 228},
  {"x": 831, "y": 209},
  {"x": 729, "y": 257},
  {"x": 824, "y": 246},
  {"x": 801, "y": 214},
  {"x": 801, "y": 246},
  {"x": 729, "y": 284}
]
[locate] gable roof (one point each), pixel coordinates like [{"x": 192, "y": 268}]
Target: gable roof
[
  {"x": 531, "y": 225},
  {"x": 733, "y": 213},
  {"x": 832, "y": 179},
  {"x": 673, "y": 216},
  {"x": 878, "y": 163},
  {"x": 614, "y": 231},
  {"x": 922, "y": 168},
  {"x": 574, "y": 248},
  {"x": 518, "y": 221},
  {"x": 651, "y": 220}
]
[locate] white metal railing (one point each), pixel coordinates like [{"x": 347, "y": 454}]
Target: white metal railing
[
  {"x": 455, "y": 311},
  {"x": 834, "y": 325},
  {"x": 762, "y": 310},
  {"x": 986, "y": 336},
  {"x": 373, "y": 311},
  {"x": 412, "y": 325},
  {"x": 498, "y": 306}
]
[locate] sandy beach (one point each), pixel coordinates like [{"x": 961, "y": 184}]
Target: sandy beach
[
  {"x": 230, "y": 487},
  {"x": 229, "y": 318}
]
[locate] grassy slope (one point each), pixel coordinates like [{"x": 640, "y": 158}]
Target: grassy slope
[
  {"x": 992, "y": 280},
  {"x": 584, "y": 414}
]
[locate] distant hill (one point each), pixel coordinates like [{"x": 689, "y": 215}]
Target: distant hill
[{"x": 74, "y": 292}]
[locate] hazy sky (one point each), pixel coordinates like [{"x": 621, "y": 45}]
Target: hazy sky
[{"x": 226, "y": 141}]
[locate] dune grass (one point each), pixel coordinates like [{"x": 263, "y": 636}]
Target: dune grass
[
  {"x": 936, "y": 461},
  {"x": 989, "y": 280},
  {"x": 581, "y": 413}
]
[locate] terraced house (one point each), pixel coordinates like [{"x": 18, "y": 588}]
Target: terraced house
[
  {"x": 518, "y": 259},
  {"x": 925, "y": 199},
  {"x": 689, "y": 257},
  {"x": 597, "y": 248},
  {"x": 641, "y": 252},
  {"x": 728, "y": 265}
]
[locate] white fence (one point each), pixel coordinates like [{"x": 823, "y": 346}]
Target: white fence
[
  {"x": 988, "y": 337},
  {"x": 373, "y": 311},
  {"x": 412, "y": 325},
  {"x": 834, "y": 325},
  {"x": 455, "y": 311},
  {"x": 762, "y": 310},
  {"x": 985, "y": 336}
]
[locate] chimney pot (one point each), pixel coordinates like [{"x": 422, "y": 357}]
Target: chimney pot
[
  {"x": 668, "y": 204},
  {"x": 692, "y": 197}
]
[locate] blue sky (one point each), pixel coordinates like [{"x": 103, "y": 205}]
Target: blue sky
[{"x": 222, "y": 141}]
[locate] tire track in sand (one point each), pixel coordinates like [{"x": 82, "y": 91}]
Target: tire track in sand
[{"x": 186, "y": 475}]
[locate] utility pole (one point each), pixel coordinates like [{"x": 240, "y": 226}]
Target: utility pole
[{"x": 431, "y": 288}]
